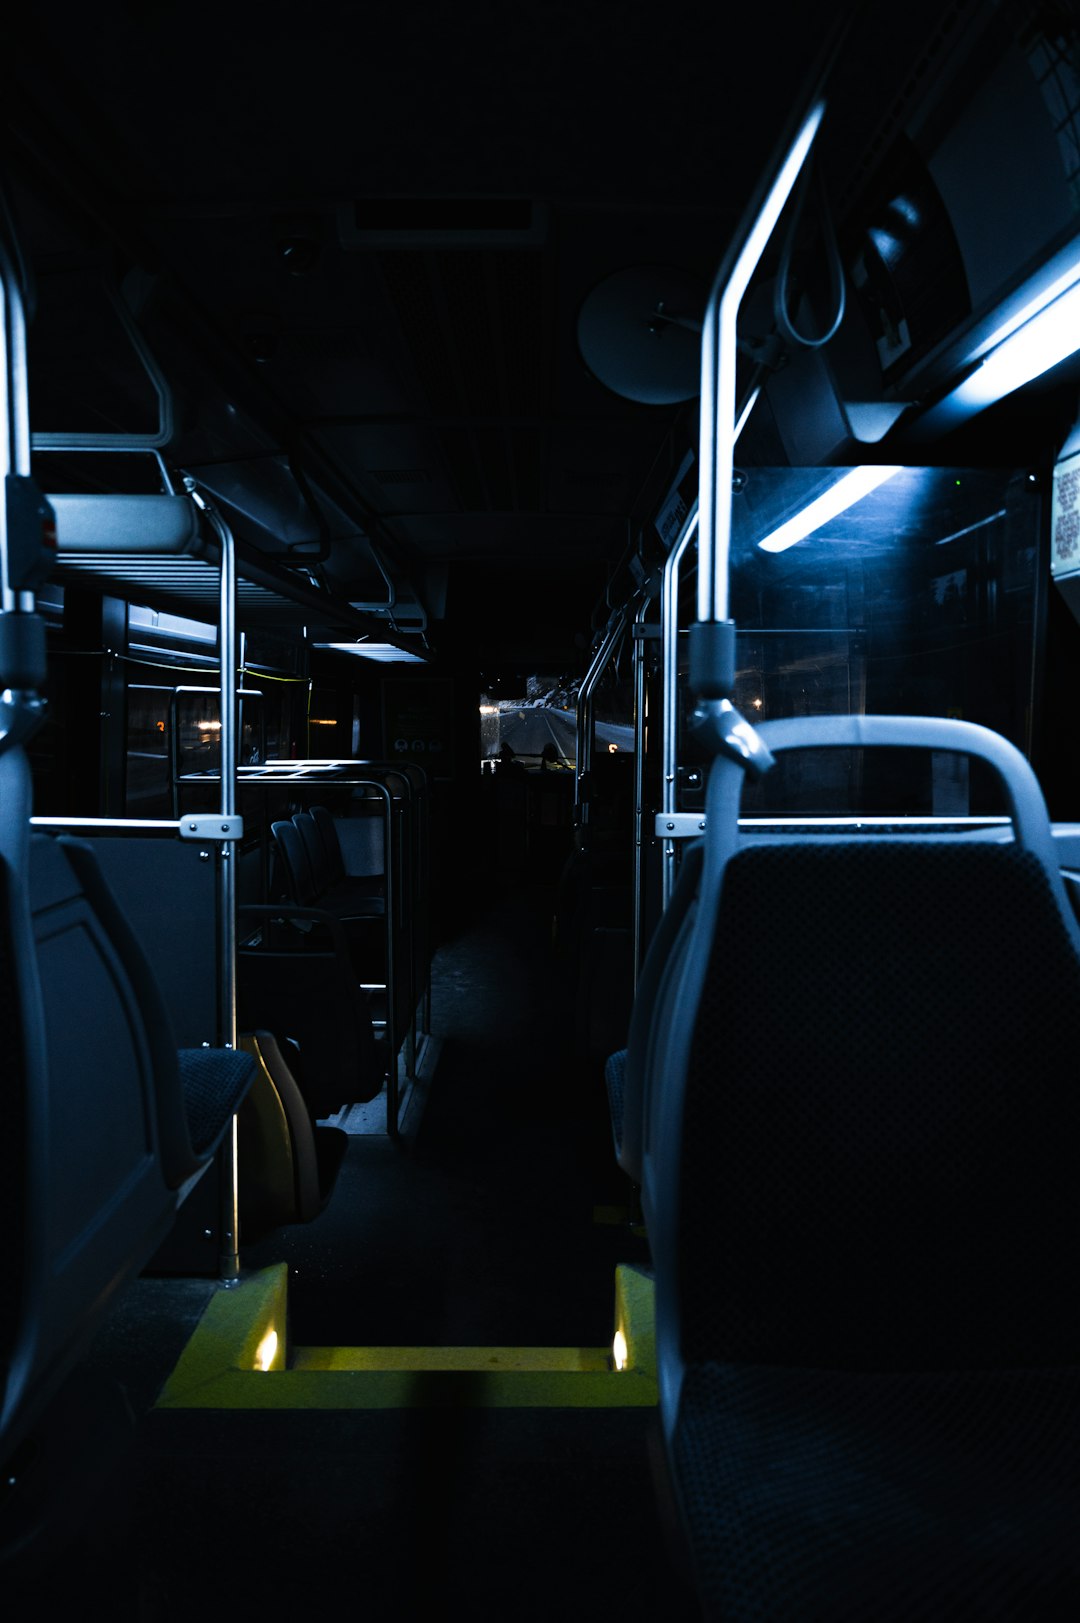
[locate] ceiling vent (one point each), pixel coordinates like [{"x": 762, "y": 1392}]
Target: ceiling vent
[
  {"x": 401, "y": 476},
  {"x": 443, "y": 222}
]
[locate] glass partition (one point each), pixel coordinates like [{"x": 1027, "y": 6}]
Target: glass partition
[{"x": 921, "y": 596}]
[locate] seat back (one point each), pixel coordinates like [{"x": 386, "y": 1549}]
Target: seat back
[
  {"x": 628, "y": 1077},
  {"x": 362, "y": 838},
  {"x": 318, "y": 859},
  {"x": 109, "y": 1122},
  {"x": 83, "y": 1119},
  {"x": 294, "y": 863},
  {"x": 96, "y": 912},
  {"x": 24, "y": 1082},
  {"x": 331, "y": 844},
  {"x": 862, "y": 1117},
  {"x": 167, "y": 892}
]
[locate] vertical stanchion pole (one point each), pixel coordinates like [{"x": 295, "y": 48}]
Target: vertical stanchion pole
[
  {"x": 669, "y": 661},
  {"x": 228, "y": 1168},
  {"x": 393, "y": 1100},
  {"x": 8, "y": 436},
  {"x": 230, "y": 1204},
  {"x": 719, "y": 353},
  {"x": 583, "y": 764},
  {"x": 640, "y": 731}
]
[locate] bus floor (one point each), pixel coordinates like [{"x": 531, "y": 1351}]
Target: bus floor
[{"x": 496, "y": 1225}]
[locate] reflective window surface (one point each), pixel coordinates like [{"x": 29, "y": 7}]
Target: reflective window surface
[
  {"x": 920, "y": 598},
  {"x": 535, "y": 724}
]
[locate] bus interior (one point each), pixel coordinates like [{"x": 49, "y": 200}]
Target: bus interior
[{"x": 539, "y": 847}]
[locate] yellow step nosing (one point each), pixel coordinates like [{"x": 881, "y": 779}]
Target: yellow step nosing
[{"x": 237, "y": 1357}]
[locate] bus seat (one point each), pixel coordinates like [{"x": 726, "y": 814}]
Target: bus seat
[
  {"x": 105, "y": 1140},
  {"x": 366, "y": 856},
  {"x": 332, "y": 888},
  {"x": 592, "y": 930},
  {"x": 860, "y": 1189},
  {"x": 288, "y": 1162},
  {"x": 361, "y": 836},
  {"x": 323, "y": 873},
  {"x": 199, "y": 1090},
  {"x": 625, "y": 1070},
  {"x": 167, "y": 892},
  {"x": 323, "y": 819},
  {"x": 295, "y": 873}
]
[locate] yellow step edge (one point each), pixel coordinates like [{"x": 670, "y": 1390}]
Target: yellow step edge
[
  {"x": 238, "y": 1358},
  {"x": 472, "y": 1360}
]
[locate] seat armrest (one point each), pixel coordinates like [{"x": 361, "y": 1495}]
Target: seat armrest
[{"x": 294, "y": 910}]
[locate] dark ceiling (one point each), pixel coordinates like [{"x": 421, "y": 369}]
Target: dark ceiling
[{"x": 358, "y": 239}]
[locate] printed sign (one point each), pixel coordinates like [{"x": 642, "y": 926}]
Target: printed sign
[
  {"x": 672, "y": 516},
  {"x": 1065, "y": 516},
  {"x": 418, "y": 723}
]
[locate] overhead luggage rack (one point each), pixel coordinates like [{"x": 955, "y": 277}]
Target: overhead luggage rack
[{"x": 156, "y": 550}]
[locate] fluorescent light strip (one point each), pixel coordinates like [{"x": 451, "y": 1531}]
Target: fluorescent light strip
[
  {"x": 1047, "y": 338},
  {"x": 385, "y": 651},
  {"x": 1039, "y": 336},
  {"x": 830, "y": 504},
  {"x": 1061, "y": 284}
]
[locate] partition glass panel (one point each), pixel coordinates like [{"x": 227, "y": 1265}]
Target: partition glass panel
[{"x": 921, "y": 598}]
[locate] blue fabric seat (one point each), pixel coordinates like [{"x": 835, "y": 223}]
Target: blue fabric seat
[
  {"x": 199, "y": 1090},
  {"x": 306, "y": 875},
  {"x": 626, "y": 1071},
  {"x": 107, "y": 1125},
  {"x": 861, "y": 1194}
]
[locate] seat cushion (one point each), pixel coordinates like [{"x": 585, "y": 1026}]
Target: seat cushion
[
  {"x": 215, "y": 1081},
  {"x": 819, "y": 1496},
  {"x": 615, "y": 1079}
]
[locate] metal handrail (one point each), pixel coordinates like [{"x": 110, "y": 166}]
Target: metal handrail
[
  {"x": 719, "y": 339},
  {"x": 21, "y": 707},
  {"x": 228, "y": 659},
  {"x": 81, "y": 441},
  {"x": 613, "y": 633},
  {"x": 174, "y": 731},
  {"x": 260, "y": 778},
  {"x": 640, "y": 721},
  {"x": 15, "y": 410},
  {"x": 669, "y": 658}
]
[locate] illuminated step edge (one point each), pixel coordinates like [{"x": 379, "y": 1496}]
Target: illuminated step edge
[{"x": 237, "y": 1358}]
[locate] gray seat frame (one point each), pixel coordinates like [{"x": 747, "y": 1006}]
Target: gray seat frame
[{"x": 672, "y": 1029}]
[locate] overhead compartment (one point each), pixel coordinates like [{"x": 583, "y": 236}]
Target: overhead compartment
[{"x": 967, "y": 224}]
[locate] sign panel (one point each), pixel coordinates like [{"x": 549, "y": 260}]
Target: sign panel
[
  {"x": 418, "y": 723},
  {"x": 1065, "y": 516}
]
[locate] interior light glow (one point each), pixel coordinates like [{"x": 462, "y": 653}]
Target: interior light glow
[
  {"x": 266, "y": 1351},
  {"x": 1049, "y": 336},
  {"x": 1069, "y": 277},
  {"x": 888, "y": 246},
  {"x": 384, "y": 651},
  {"x": 745, "y": 416},
  {"x": 620, "y": 1353},
  {"x": 907, "y": 210},
  {"x": 829, "y": 505},
  {"x": 1038, "y": 336}
]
